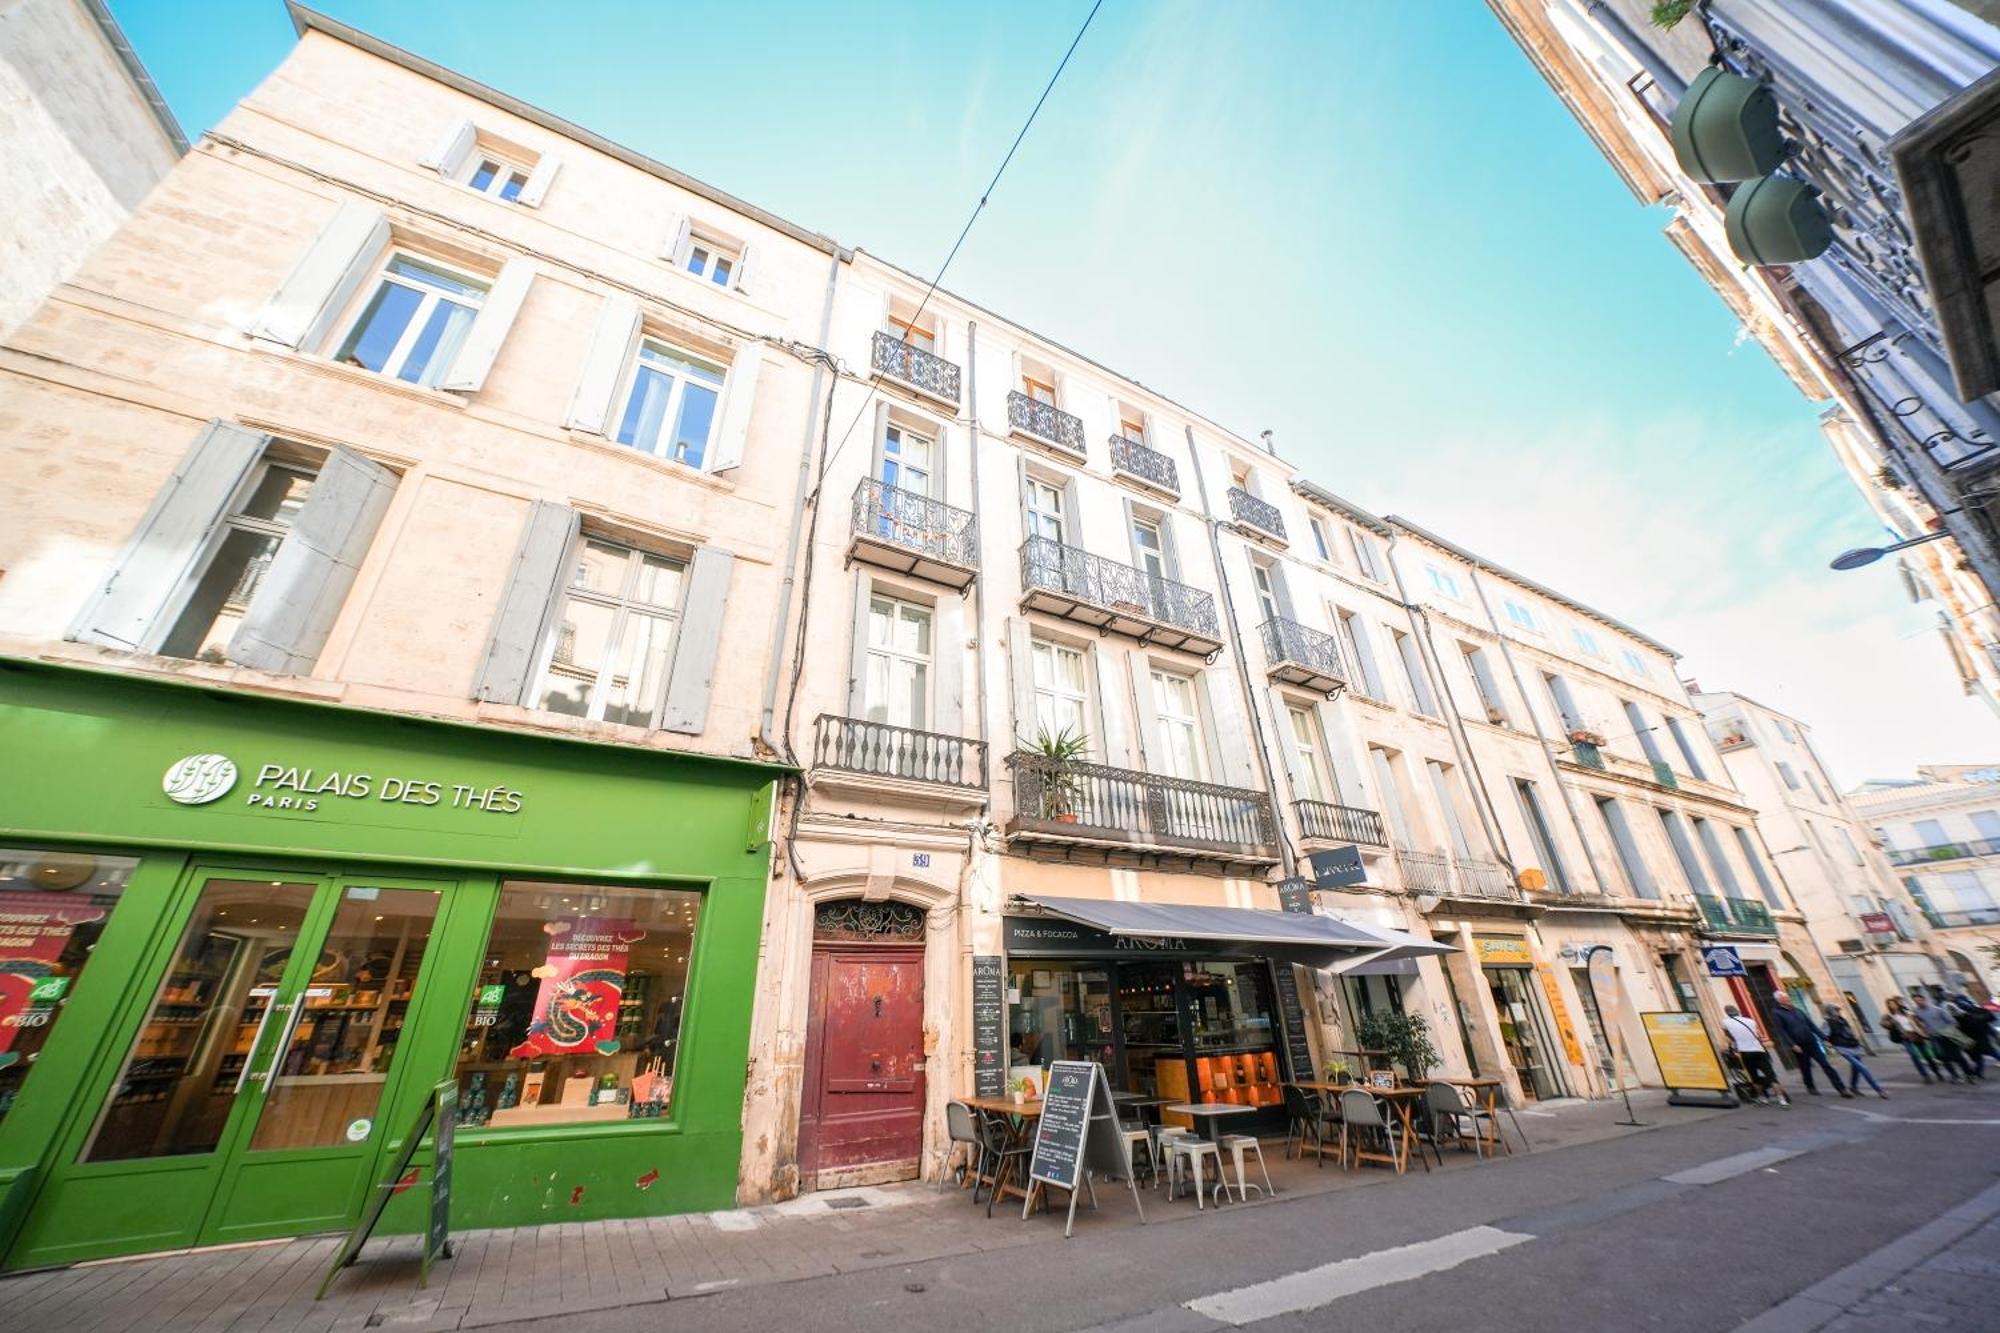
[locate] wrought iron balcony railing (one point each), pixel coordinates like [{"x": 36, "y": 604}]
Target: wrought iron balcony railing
[
  {"x": 1663, "y": 774},
  {"x": 1449, "y": 876},
  {"x": 1944, "y": 851},
  {"x": 855, "y": 745},
  {"x": 1046, "y": 422},
  {"x": 1147, "y": 466},
  {"x": 1972, "y": 916},
  {"x": 914, "y": 533},
  {"x": 1262, "y": 515},
  {"x": 926, "y": 372},
  {"x": 1737, "y": 915},
  {"x": 1587, "y": 755},
  {"x": 1302, "y": 655},
  {"x": 1068, "y": 581},
  {"x": 1341, "y": 823},
  {"x": 1115, "y": 805}
]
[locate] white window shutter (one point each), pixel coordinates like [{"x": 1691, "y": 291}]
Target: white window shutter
[
  {"x": 126, "y": 611},
  {"x": 1114, "y": 740},
  {"x": 743, "y": 269},
  {"x": 539, "y": 181},
  {"x": 1232, "y": 731},
  {"x": 948, "y": 683},
  {"x": 692, "y": 677},
  {"x": 673, "y": 237},
  {"x": 287, "y": 622},
  {"x": 447, "y": 156},
  {"x": 489, "y": 328},
  {"x": 1021, "y": 665},
  {"x": 733, "y": 432},
  {"x": 857, "y": 655},
  {"x": 325, "y": 278},
  {"x": 507, "y": 670},
  {"x": 1288, "y": 750},
  {"x": 1140, "y": 668},
  {"x": 604, "y": 364}
]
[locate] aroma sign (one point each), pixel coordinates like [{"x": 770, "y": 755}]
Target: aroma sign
[{"x": 200, "y": 779}]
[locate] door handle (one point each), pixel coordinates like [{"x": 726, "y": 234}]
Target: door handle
[
  {"x": 874, "y": 1066},
  {"x": 878, "y": 1006},
  {"x": 250, "y": 1056},
  {"x": 284, "y": 1043}
]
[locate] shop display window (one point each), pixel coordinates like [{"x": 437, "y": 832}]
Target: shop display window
[
  {"x": 576, "y": 1017},
  {"x": 53, "y": 906}
]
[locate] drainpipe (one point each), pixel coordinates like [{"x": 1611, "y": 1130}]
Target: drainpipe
[
  {"x": 1618, "y": 30},
  {"x": 1210, "y": 524},
  {"x": 978, "y": 584},
  {"x": 782, "y": 745}
]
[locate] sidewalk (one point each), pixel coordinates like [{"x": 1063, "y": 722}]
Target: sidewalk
[{"x": 503, "y": 1275}]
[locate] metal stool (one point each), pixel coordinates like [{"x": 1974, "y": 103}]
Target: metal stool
[
  {"x": 1192, "y": 1151},
  {"x": 1238, "y": 1144},
  {"x": 1163, "y": 1139}
]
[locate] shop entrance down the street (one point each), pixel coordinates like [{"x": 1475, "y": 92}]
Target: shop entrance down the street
[{"x": 1508, "y": 967}]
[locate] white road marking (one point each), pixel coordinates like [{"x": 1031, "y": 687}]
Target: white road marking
[
  {"x": 1723, "y": 1168},
  {"x": 1909, "y": 1119},
  {"x": 1314, "y": 1287}
]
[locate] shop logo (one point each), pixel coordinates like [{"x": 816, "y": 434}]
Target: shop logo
[{"x": 199, "y": 779}]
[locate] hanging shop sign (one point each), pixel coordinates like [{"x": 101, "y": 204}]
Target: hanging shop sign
[
  {"x": 1722, "y": 960},
  {"x": 1502, "y": 951},
  {"x": 1337, "y": 867},
  {"x": 1295, "y": 895},
  {"x": 1878, "y": 923},
  {"x": 1560, "y": 1013},
  {"x": 202, "y": 779}
]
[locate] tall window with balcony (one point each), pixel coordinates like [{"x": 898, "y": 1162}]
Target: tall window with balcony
[
  {"x": 1367, "y": 556},
  {"x": 1180, "y": 752},
  {"x": 611, "y": 639},
  {"x": 1389, "y": 791},
  {"x": 1046, "y": 518},
  {"x": 1685, "y": 743},
  {"x": 1354, "y": 642},
  {"x": 1414, "y": 674},
  {"x": 1444, "y": 788},
  {"x": 1711, "y": 843},
  {"x": 1261, "y": 575},
  {"x": 1540, "y": 836},
  {"x": 1309, "y": 755},
  {"x": 1748, "y": 846},
  {"x": 898, "y": 688},
  {"x": 1492, "y": 706},
  {"x": 1677, "y": 838},
  {"x": 1062, "y": 690},
  {"x": 1619, "y": 830}
]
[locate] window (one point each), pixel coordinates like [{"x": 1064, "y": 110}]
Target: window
[
  {"x": 1565, "y": 702},
  {"x": 1367, "y": 558},
  {"x": 1442, "y": 581},
  {"x": 1812, "y": 781},
  {"x": 1267, "y": 594},
  {"x": 899, "y": 663},
  {"x": 414, "y": 322},
  {"x": 1389, "y": 791},
  {"x": 1321, "y": 546},
  {"x": 1062, "y": 697},
  {"x": 1684, "y": 852},
  {"x": 1045, "y": 510},
  {"x": 1413, "y": 671},
  {"x": 1150, "y": 544},
  {"x": 1309, "y": 754},
  {"x": 1488, "y": 689},
  {"x": 1634, "y": 663},
  {"x": 1180, "y": 725},
  {"x": 1987, "y": 824},
  {"x": 1540, "y": 836},
  {"x": 712, "y": 259},
  {"x": 577, "y": 1012},
  {"x": 918, "y": 334},
  {"x": 1041, "y": 390},
  {"x": 1643, "y": 730},
  {"x": 613, "y": 640},
  {"x": 1785, "y": 772},
  {"x": 1586, "y": 641},
  {"x": 906, "y": 459},
  {"x": 1521, "y": 615},
  {"x": 1447, "y": 799},
  {"x": 251, "y": 534},
  {"x": 1627, "y": 847},
  {"x": 1847, "y": 844},
  {"x": 1686, "y": 745},
  {"x": 1785, "y": 731},
  {"x": 1712, "y": 845},
  {"x": 670, "y": 386},
  {"x": 1354, "y": 638},
  {"x": 501, "y": 179},
  {"x": 1132, "y": 424}
]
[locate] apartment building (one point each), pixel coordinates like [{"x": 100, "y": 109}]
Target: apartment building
[
  {"x": 1872, "y": 935},
  {"x": 1941, "y": 832},
  {"x": 371, "y": 505},
  {"x": 1860, "y": 90}
]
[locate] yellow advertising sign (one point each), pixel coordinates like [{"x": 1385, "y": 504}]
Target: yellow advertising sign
[
  {"x": 1560, "y": 1012},
  {"x": 1503, "y": 951},
  {"x": 1687, "y": 1057}
]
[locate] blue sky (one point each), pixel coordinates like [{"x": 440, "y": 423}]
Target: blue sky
[{"x": 1369, "y": 228}]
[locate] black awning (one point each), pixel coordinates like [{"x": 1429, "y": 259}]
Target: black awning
[{"x": 1295, "y": 936}]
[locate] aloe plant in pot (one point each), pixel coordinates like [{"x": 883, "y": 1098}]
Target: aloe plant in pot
[{"x": 1060, "y": 752}]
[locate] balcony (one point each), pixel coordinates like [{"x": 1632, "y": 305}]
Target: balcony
[
  {"x": 876, "y": 758},
  {"x": 1735, "y": 916},
  {"x": 1975, "y": 916},
  {"x": 1663, "y": 775},
  {"x": 1323, "y": 821},
  {"x": 1259, "y": 518},
  {"x": 915, "y": 369},
  {"x": 1147, "y": 467},
  {"x": 1046, "y": 424},
  {"x": 1461, "y": 877},
  {"x": 914, "y": 534},
  {"x": 1944, "y": 851},
  {"x": 1587, "y": 755},
  {"x": 1076, "y": 585},
  {"x": 1299, "y": 655},
  {"x": 1116, "y": 808}
]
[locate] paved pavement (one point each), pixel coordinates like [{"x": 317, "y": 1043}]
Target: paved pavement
[{"x": 1837, "y": 1214}]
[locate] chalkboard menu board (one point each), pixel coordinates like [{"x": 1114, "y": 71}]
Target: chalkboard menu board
[
  {"x": 1078, "y": 1135},
  {"x": 437, "y": 1235},
  {"x": 436, "y": 1118},
  {"x": 989, "y": 1022},
  {"x": 1298, "y": 1051}
]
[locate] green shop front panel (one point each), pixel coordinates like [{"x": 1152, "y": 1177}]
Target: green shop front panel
[{"x": 343, "y": 812}]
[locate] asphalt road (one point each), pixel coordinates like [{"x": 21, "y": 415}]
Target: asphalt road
[{"x": 1699, "y": 1225}]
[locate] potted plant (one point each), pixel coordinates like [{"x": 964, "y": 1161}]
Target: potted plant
[
  {"x": 1585, "y": 736},
  {"x": 1337, "y": 1071},
  {"x": 1405, "y": 1038},
  {"x": 1022, "y": 1087},
  {"x": 1060, "y": 753}
]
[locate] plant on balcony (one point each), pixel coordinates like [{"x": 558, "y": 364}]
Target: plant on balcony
[
  {"x": 1060, "y": 753},
  {"x": 1666, "y": 13},
  {"x": 1585, "y": 736},
  {"x": 1405, "y": 1037},
  {"x": 1495, "y": 716}
]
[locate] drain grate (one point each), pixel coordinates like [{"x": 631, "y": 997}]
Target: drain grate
[{"x": 848, "y": 1202}]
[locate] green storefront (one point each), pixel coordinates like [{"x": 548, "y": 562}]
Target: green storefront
[{"x": 241, "y": 938}]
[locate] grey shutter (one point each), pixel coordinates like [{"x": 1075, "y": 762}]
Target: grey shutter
[
  {"x": 126, "y": 611},
  {"x": 857, "y": 656},
  {"x": 1232, "y": 731},
  {"x": 948, "y": 689},
  {"x": 1132, "y": 535},
  {"x": 742, "y": 282},
  {"x": 489, "y": 328},
  {"x": 741, "y": 397},
  {"x": 508, "y": 667},
  {"x": 673, "y": 237},
  {"x": 610, "y": 345},
  {"x": 1288, "y": 750},
  {"x": 1114, "y": 731},
  {"x": 1333, "y": 733},
  {"x": 1282, "y": 591},
  {"x": 448, "y": 154},
  {"x": 326, "y": 277},
  {"x": 539, "y": 181},
  {"x": 693, "y": 674},
  {"x": 1140, "y": 668},
  {"x": 301, "y": 594},
  {"x": 1020, "y": 661}
]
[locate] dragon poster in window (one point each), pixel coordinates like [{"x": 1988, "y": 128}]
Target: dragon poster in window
[{"x": 583, "y": 982}]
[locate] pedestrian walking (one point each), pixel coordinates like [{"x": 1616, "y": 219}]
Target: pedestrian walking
[
  {"x": 1977, "y": 1025},
  {"x": 1941, "y": 1026},
  {"x": 1799, "y": 1032},
  {"x": 1907, "y": 1032},
  {"x": 1846, "y": 1044},
  {"x": 1750, "y": 1051}
]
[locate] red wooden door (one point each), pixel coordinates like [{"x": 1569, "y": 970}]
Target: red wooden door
[{"x": 863, "y": 1113}]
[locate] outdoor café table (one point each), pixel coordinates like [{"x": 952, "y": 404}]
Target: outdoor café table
[
  {"x": 1401, "y": 1101},
  {"x": 1019, "y": 1118},
  {"x": 1486, "y": 1091},
  {"x": 1207, "y": 1114}
]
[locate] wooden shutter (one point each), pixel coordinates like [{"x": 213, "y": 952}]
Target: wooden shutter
[
  {"x": 539, "y": 181},
  {"x": 1021, "y": 664},
  {"x": 673, "y": 237},
  {"x": 448, "y": 154},
  {"x": 742, "y": 277},
  {"x": 1114, "y": 727},
  {"x": 1232, "y": 730},
  {"x": 519, "y": 622},
  {"x": 287, "y": 622},
  {"x": 1281, "y": 590},
  {"x": 693, "y": 675},
  {"x": 604, "y": 365},
  {"x": 326, "y": 277},
  {"x": 489, "y": 328},
  {"x": 948, "y": 688},
  {"x": 127, "y": 610},
  {"x": 857, "y": 649},
  {"x": 739, "y": 397},
  {"x": 1140, "y": 668}
]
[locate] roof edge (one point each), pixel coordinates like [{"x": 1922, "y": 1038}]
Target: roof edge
[
  {"x": 1319, "y": 494},
  {"x": 135, "y": 68}
]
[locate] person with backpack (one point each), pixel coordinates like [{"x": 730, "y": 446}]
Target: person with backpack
[
  {"x": 1907, "y": 1032},
  {"x": 1799, "y": 1032},
  {"x": 1977, "y": 1025},
  {"x": 1841, "y": 1036},
  {"x": 1941, "y": 1026}
]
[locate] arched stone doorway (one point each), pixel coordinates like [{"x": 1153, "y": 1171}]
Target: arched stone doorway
[
  {"x": 1973, "y": 974},
  {"x": 861, "y": 1118}
]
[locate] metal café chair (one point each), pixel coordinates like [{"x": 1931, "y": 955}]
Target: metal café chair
[
  {"x": 962, "y": 1129},
  {"x": 1363, "y": 1115},
  {"x": 1305, "y": 1114},
  {"x": 1010, "y": 1159},
  {"x": 1446, "y": 1113}
]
